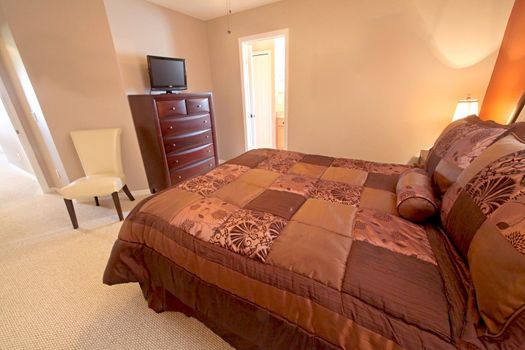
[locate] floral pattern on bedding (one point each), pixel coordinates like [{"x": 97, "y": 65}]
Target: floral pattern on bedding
[
  {"x": 202, "y": 218},
  {"x": 315, "y": 235},
  {"x": 393, "y": 233},
  {"x": 280, "y": 161},
  {"x": 463, "y": 144},
  {"x": 501, "y": 181},
  {"x": 336, "y": 192},
  {"x": 250, "y": 229},
  {"x": 249, "y": 233},
  {"x": 294, "y": 183},
  {"x": 207, "y": 184},
  {"x": 372, "y": 167}
]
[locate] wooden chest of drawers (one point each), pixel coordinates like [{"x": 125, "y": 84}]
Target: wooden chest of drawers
[{"x": 176, "y": 135}]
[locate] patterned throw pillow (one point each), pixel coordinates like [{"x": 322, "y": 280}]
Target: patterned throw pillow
[
  {"x": 415, "y": 197},
  {"x": 457, "y": 146},
  {"x": 484, "y": 215}
]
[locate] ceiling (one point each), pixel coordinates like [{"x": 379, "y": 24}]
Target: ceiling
[{"x": 209, "y": 9}]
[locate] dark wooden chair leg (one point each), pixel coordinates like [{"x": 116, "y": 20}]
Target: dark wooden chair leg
[
  {"x": 117, "y": 205},
  {"x": 128, "y": 193},
  {"x": 71, "y": 211},
  {"x": 96, "y": 201}
]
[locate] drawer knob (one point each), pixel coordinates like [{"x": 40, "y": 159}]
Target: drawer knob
[
  {"x": 207, "y": 137},
  {"x": 199, "y": 106},
  {"x": 210, "y": 165},
  {"x": 170, "y": 127},
  {"x": 180, "y": 177},
  {"x": 205, "y": 121},
  {"x": 177, "y": 161},
  {"x": 174, "y": 144},
  {"x": 172, "y": 108},
  {"x": 209, "y": 151}
]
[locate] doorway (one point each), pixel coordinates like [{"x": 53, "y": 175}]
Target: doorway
[
  {"x": 17, "y": 150},
  {"x": 11, "y": 149},
  {"x": 264, "y": 71}
]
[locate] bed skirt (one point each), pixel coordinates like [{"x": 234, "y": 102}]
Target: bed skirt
[{"x": 168, "y": 287}]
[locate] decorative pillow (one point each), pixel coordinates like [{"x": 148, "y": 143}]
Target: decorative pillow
[
  {"x": 484, "y": 215},
  {"x": 415, "y": 197},
  {"x": 457, "y": 146}
]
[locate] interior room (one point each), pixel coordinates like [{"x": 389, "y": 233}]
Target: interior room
[{"x": 262, "y": 174}]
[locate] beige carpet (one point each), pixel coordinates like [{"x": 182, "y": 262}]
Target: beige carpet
[{"x": 51, "y": 291}]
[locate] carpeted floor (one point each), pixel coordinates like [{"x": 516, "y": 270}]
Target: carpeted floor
[{"x": 51, "y": 291}]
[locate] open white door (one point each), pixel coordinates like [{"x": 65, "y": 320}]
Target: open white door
[{"x": 262, "y": 100}]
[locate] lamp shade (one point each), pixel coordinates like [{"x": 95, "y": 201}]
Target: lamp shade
[{"x": 465, "y": 108}]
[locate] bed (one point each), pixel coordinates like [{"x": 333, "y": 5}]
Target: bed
[{"x": 284, "y": 250}]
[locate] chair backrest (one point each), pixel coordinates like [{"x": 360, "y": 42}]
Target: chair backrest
[{"x": 99, "y": 151}]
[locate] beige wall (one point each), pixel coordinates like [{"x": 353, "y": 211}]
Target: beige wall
[
  {"x": 83, "y": 57},
  {"x": 68, "y": 52},
  {"x": 368, "y": 79},
  {"x": 140, "y": 28}
]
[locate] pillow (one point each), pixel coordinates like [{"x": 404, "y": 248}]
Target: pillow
[
  {"x": 415, "y": 196},
  {"x": 457, "y": 146},
  {"x": 484, "y": 215}
]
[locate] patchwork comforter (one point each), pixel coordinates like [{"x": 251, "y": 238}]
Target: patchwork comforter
[{"x": 282, "y": 250}]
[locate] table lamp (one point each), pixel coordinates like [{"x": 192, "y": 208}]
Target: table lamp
[{"x": 465, "y": 108}]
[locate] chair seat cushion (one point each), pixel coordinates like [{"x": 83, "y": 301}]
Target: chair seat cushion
[{"x": 92, "y": 186}]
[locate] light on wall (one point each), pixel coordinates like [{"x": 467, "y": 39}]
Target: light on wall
[{"x": 466, "y": 107}]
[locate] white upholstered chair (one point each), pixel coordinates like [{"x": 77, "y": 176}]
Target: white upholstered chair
[{"x": 100, "y": 155}]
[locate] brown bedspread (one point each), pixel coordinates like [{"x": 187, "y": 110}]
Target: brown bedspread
[{"x": 281, "y": 250}]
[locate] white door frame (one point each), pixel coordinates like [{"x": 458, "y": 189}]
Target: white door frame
[
  {"x": 26, "y": 144},
  {"x": 245, "y": 85}
]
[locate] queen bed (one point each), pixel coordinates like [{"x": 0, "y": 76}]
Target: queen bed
[{"x": 285, "y": 250}]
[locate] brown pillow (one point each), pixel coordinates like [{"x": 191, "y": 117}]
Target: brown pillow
[
  {"x": 457, "y": 146},
  {"x": 415, "y": 197},
  {"x": 484, "y": 215}
]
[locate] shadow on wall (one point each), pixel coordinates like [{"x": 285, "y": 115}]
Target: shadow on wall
[{"x": 461, "y": 37}]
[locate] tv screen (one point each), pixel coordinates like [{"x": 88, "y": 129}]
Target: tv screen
[{"x": 167, "y": 73}]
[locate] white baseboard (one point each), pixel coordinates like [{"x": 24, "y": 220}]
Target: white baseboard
[
  {"x": 53, "y": 190},
  {"x": 144, "y": 192},
  {"x": 221, "y": 161}
]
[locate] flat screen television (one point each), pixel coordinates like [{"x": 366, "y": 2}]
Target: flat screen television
[{"x": 167, "y": 74}]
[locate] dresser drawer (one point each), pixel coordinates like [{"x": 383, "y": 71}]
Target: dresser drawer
[
  {"x": 170, "y": 108},
  {"x": 178, "y": 175},
  {"x": 179, "y": 160},
  {"x": 186, "y": 141},
  {"x": 197, "y": 105},
  {"x": 181, "y": 125}
]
